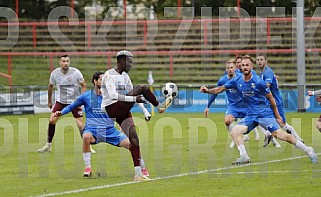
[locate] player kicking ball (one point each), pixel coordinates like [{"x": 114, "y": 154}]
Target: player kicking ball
[
  {"x": 119, "y": 97},
  {"x": 99, "y": 127}
]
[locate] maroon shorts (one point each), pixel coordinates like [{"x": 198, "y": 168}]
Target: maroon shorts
[
  {"x": 120, "y": 111},
  {"x": 77, "y": 113}
]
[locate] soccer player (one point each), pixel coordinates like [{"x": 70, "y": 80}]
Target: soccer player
[
  {"x": 99, "y": 127},
  {"x": 119, "y": 96},
  {"x": 238, "y": 62},
  {"x": 271, "y": 81},
  {"x": 257, "y": 98},
  {"x": 235, "y": 106},
  {"x": 317, "y": 93},
  {"x": 68, "y": 79}
]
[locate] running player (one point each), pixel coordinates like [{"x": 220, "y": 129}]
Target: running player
[{"x": 257, "y": 98}]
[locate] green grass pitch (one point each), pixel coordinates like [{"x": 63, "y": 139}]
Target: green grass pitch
[{"x": 186, "y": 154}]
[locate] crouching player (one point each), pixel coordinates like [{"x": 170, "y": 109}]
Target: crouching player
[{"x": 99, "y": 127}]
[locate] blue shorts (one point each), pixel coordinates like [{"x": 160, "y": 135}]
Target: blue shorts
[
  {"x": 237, "y": 112},
  {"x": 268, "y": 122},
  {"x": 109, "y": 135}
]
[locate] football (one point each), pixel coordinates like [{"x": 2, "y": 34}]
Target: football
[{"x": 170, "y": 89}]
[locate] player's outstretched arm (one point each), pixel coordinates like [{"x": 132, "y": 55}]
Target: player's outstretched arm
[
  {"x": 77, "y": 103},
  {"x": 215, "y": 90}
]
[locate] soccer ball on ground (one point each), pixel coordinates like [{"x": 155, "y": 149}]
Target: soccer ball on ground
[{"x": 170, "y": 89}]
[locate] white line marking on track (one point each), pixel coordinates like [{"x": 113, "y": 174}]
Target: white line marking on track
[{"x": 181, "y": 175}]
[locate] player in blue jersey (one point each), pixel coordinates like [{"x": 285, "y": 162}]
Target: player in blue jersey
[
  {"x": 238, "y": 71},
  {"x": 257, "y": 98},
  {"x": 271, "y": 81},
  {"x": 99, "y": 127},
  {"x": 238, "y": 62},
  {"x": 267, "y": 134},
  {"x": 235, "y": 106}
]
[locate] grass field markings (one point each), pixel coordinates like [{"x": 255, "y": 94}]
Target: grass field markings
[
  {"x": 267, "y": 172},
  {"x": 181, "y": 175}
]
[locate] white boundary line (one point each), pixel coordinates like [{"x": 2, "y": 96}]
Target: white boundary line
[{"x": 184, "y": 174}]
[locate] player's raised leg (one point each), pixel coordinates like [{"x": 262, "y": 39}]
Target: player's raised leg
[{"x": 149, "y": 96}]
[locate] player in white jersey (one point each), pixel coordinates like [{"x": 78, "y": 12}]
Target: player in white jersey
[
  {"x": 68, "y": 81},
  {"x": 119, "y": 96}
]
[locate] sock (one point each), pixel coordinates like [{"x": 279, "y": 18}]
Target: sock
[
  {"x": 86, "y": 157},
  {"x": 51, "y": 132},
  {"x": 288, "y": 128},
  {"x": 138, "y": 171},
  {"x": 144, "y": 110},
  {"x": 134, "y": 150},
  {"x": 255, "y": 131},
  {"x": 302, "y": 146},
  {"x": 49, "y": 144},
  {"x": 230, "y": 127},
  {"x": 265, "y": 132},
  {"x": 142, "y": 163},
  {"x": 242, "y": 150},
  {"x": 273, "y": 140}
]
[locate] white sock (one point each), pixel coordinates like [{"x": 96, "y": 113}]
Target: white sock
[
  {"x": 142, "y": 163},
  {"x": 302, "y": 146},
  {"x": 230, "y": 127},
  {"x": 255, "y": 131},
  {"x": 288, "y": 127},
  {"x": 138, "y": 171},
  {"x": 265, "y": 132},
  {"x": 49, "y": 144},
  {"x": 86, "y": 157},
  {"x": 141, "y": 106},
  {"x": 242, "y": 150}
]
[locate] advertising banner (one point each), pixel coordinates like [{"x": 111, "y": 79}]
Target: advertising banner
[{"x": 188, "y": 100}]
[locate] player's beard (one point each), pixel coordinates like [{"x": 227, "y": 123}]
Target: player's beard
[
  {"x": 246, "y": 72},
  {"x": 65, "y": 68},
  {"x": 98, "y": 89}
]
